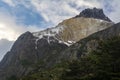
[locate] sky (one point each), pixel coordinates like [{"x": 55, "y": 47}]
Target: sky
[{"x": 19, "y": 16}]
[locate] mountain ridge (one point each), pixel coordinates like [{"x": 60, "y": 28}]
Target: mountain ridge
[
  {"x": 64, "y": 31},
  {"x": 49, "y": 46}
]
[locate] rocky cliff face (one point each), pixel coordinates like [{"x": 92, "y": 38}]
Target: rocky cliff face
[
  {"x": 94, "y": 13},
  {"x": 75, "y": 29},
  {"x": 26, "y": 52},
  {"x": 90, "y": 43},
  {"x": 51, "y": 45}
]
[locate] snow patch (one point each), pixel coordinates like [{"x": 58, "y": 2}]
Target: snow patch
[
  {"x": 48, "y": 32},
  {"x": 71, "y": 42},
  {"x": 36, "y": 41},
  {"x": 51, "y": 32},
  {"x": 68, "y": 43}
]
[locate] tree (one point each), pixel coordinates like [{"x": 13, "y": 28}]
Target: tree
[{"x": 100, "y": 64}]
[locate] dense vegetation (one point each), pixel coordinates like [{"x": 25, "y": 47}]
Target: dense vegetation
[{"x": 100, "y": 64}]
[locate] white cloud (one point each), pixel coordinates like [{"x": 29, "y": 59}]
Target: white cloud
[
  {"x": 115, "y": 14},
  {"x": 55, "y": 11},
  {"x": 87, "y": 3},
  {"x": 5, "y": 46},
  {"x": 9, "y": 2},
  {"x": 10, "y": 30}
]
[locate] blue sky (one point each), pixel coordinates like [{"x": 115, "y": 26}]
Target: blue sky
[
  {"x": 24, "y": 15},
  {"x": 19, "y": 16}
]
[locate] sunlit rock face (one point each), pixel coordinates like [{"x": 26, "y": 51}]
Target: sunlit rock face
[
  {"x": 90, "y": 43},
  {"x": 75, "y": 29}
]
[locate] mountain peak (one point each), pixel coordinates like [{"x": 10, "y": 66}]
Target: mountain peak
[{"x": 94, "y": 13}]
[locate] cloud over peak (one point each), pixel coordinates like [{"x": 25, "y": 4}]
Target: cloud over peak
[{"x": 10, "y": 30}]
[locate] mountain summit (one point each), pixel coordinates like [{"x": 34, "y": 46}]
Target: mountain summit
[{"x": 94, "y": 13}]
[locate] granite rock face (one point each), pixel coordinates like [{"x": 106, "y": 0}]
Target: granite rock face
[
  {"x": 75, "y": 29},
  {"x": 86, "y": 45},
  {"x": 94, "y": 13}
]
